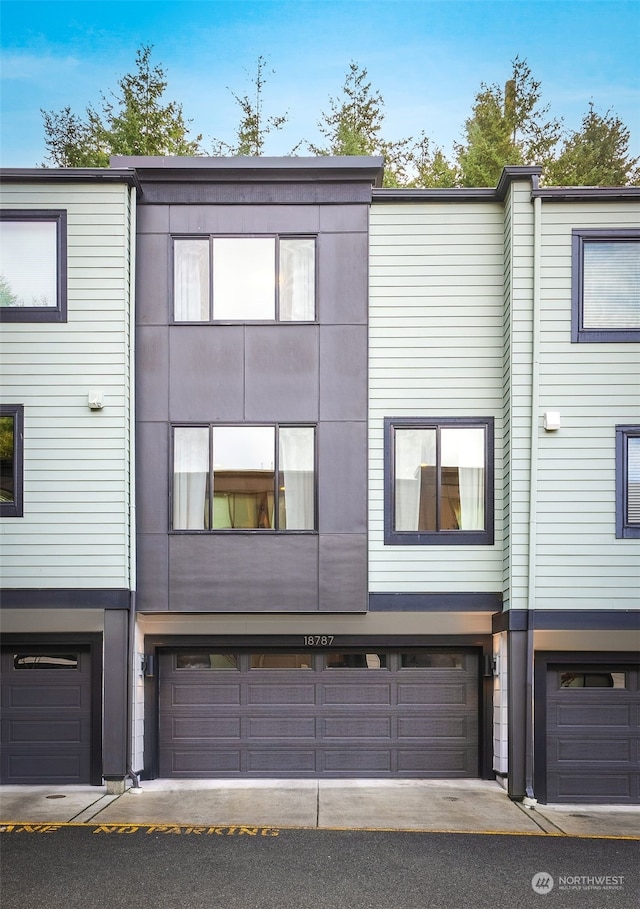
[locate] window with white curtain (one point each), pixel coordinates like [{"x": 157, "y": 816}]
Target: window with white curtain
[
  {"x": 438, "y": 481},
  {"x": 605, "y": 285},
  {"x": 33, "y": 265},
  {"x": 228, "y": 478},
  {"x": 245, "y": 279}
]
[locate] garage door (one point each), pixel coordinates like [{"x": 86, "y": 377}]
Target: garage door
[
  {"x": 412, "y": 713},
  {"x": 593, "y": 734},
  {"x": 46, "y": 715}
]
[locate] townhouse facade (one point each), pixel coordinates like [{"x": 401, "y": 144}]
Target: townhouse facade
[{"x": 383, "y": 519}]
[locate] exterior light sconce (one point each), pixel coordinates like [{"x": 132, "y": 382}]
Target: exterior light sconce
[
  {"x": 95, "y": 399},
  {"x": 551, "y": 420}
]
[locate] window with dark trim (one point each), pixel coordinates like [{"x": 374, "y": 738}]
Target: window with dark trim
[
  {"x": 605, "y": 285},
  {"x": 627, "y": 482},
  {"x": 439, "y": 485},
  {"x": 11, "y": 459},
  {"x": 33, "y": 265},
  {"x": 244, "y": 279},
  {"x": 230, "y": 478}
]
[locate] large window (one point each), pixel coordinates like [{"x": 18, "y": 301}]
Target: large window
[
  {"x": 605, "y": 285},
  {"x": 243, "y": 478},
  {"x": 627, "y": 482},
  {"x": 33, "y": 266},
  {"x": 244, "y": 279},
  {"x": 438, "y": 481},
  {"x": 11, "y": 457}
]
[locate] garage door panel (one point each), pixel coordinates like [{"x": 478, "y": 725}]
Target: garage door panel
[
  {"x": 436, "y": 693},
  {"x": 590, "y": 716},
  {"x": 572, "y": 787},
  {"x": 280, "y": 695},
  {"x": 303, "y": 727},
  {"x": 338, "y": 716},
  {"x": 594, "y": 750},
  {"x": 356, "y": 693},
  {"x": 442, "y": 761},
  {"x": 45, "y": 695},
  {"x": 356, "y": 729},
  {"x": 276, "y": 760},
  {"x": 208, "y": 728},
  {"x": 432, "y": 727},
  {"x": 204, "y": 694},
  {"x": 30, "y": 767},
  {"x": 198, "y": 763},
  {"x": 358, "y": 761},
  {"x": 44, "y": 730}
]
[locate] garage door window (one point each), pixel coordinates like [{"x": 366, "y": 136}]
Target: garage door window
[
  {"x": 570, "y": 679},
  {"x": 356, "y": 661},
  {"x": 431, "y": 661},
  {"x": 206, "y": 661},
  {"x": 281, "y": 661},
  {"x": 45, "y": 661}
]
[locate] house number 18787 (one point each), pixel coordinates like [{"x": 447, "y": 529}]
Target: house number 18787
[{"x": 318, "y": 640}]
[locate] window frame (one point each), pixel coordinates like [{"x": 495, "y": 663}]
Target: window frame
[
  {"x": 15, "y": 509},
  {"x": 624, "y": 530},
  {"x": 235, "y": 531},
  {"x": 277, "y": 237},
  {"x": 57, "y": 313},
  {"x": 594, "y": 335},
  {"x": 393, "y": 537}
]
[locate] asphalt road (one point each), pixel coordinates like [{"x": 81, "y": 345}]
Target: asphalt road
[{"x": 270, "y": 868}]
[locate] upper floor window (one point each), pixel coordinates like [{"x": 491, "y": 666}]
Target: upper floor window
[
  {"x": 33, "y": 266},
  {"x": 438, "y": 481},
  {"x": 244, "y": 279},
  {"x": 243, "y": 478},
  {"x": 605, "y": 285},
  {"x": 627, "y": 482},
  {"x": 11, "y": 459}
]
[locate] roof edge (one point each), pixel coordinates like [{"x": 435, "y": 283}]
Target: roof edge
[
  {"x": 70, "y": 175},
  {"x": 345, "y": 168}
]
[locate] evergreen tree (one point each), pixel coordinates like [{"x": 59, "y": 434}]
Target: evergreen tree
[
  {"x": 133, "y": 120},
  {"x": 7, "y": 296},
  {"x": 595, "y": 155},
  {"x": 353, "y": 126},
  {"x": 506, "y": 127}
]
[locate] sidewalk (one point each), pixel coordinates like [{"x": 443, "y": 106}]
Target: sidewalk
[{"x": 469, "y": 806}]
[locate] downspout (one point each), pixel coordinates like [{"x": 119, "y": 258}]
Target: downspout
[
  {"x": 131, "y": 675},
  {"x": 533, "y": 486}
]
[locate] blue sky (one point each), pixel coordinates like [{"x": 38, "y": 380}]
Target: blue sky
[{"x": 426, "y": 57}]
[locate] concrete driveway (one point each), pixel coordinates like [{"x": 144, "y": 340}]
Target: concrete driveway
[{"x": 469, "y": 806}]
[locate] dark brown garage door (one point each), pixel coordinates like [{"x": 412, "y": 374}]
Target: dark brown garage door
[
  {"x": 46, "y": 715},
  {"x": 593, "y": 734},
  {"x": 410, "y": 713}
]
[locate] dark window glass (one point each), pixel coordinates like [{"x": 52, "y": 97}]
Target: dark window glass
[
  {"x": 595, "y": 679},
  {"x": 201, "y": 660},
  {"x": 627, "y": 482},
  {"x": 431, "y": 660},
  {"x": 281, "y": 660},
  {"x": 11, "y": 460},
  {"x": 356, "y": 661},
  {"x": 45, "y": 661}
]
